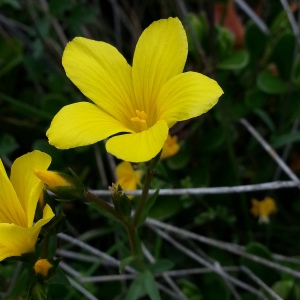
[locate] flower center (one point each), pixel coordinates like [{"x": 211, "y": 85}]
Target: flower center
[{"x": 140, "y": 120}]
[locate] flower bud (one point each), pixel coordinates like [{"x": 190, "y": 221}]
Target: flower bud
[
  {"x": 42, "y": 267},
  {"x": 63, "y": 185},
  {"x": 121, "y": 202}
]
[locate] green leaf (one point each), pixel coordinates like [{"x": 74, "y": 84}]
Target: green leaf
[
  {"x": 191, "y": 290},
  {"x": 224, "y": 41},
  {"x": 236, "y": 61},
  {"x": 165, "y": 208},
  {"x": 125, "y": 262},
  {"x": 149, "y": 203},
  {"x": 150, "y": 286},
  {"x": 287, "y": 289},
  {"x": 59, "y": 278},
  {"x": 266, "y": 274},
  {"x": 285, "y": 139},
  {"x": 255, "y": 41},
  {"x": 38, "y": 291},
  {"x": 21, "y": 287},
  {"x": 270, "y": 84},
  {"x": 136, "y": 289},
  {"x": 103, "y": 211},
  {"x": 162, "y": 265},
  {"x": 283, "y": 54}
]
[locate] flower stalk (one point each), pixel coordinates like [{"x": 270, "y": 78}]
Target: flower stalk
[{"x": 142, "y": 200}]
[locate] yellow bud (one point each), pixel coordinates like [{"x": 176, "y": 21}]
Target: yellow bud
[
  {"x": 63, "y": 185},
  {"x": 42, "y": 266},
  {"x": 51, "y": 178}
]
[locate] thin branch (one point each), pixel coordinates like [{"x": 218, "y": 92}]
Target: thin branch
[
  {"x": 259, "y": 282},
  {"x": 166, "y": 277},
  {"x": 14, "y": 277},
  {"x": 287, "y": 148},
  {"x": 109, "y": 259},
  {"x": 82, "y": 290},
  {"x": 57, "y": 28},
  {"x": 239, "y": 250},
  {"x": 274, "y": 185},
  {"x": 70, "y": 270},
  {"x": 286, "y": 259},
  {"x": 291, "y": 18},
  {"x": 172, "y": 273},
  {"x": 202, "y": 261},
  {"x": 229, "y": 285},
  {"x": 77, "y": 256},
  {"x": 94, "y": 251},
  {"x": 270, "y": 150},
  {"x": 253, "y": 16}
]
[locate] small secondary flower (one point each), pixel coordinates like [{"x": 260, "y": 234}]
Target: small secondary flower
[
  {"x": 18, "y": 201},
  {"x": 170, "y": 148},
  {"x": 42, "y": 266},
  {"x": 132, "y": 106},
  {"x": 263, "y": 209},
  {"x": 128, "y": 178}
]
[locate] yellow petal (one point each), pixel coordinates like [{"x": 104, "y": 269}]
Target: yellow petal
[
  {"x": 127, "y": 183},
  {"x": 124, "y": 169},
  {"x": 128, "y": 178},
  {"x": 160, "y": 54},
  {"x": 102, "y": 74},
  {"x": 139, "y": 147},
  {"x": 27, "y": 186},
  {"x": 82, "y": 124},
  {"x": 170, "y": 148},
  {"x": 187, "y": 95},
  {"x": 16, "y": 240},
  {"x": 11, "y": 211}
]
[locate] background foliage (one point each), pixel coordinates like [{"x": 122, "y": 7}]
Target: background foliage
[{"x": 258, "y": 67}]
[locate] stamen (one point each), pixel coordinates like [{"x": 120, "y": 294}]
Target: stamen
[{"x": 140, "y": 120}]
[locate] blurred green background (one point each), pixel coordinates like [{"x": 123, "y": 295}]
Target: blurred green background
[{"x": 254, "y": 58}]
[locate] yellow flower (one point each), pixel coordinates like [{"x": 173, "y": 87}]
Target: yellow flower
[
  {"x": 170, "y": 148},
  {"x": 137, "y": 105},
  {"x": 263, "y": 209},
  {"x": 18, "y": 202},
  {"x": 42, "y": 266},
  {"x": 128, "y": 178}
]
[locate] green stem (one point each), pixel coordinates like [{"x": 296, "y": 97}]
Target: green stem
[
  {"x": 45, "y": 246},
  {"x": 143, "y": 198},
  {"x": 89, "y": 197},
  {"x": 131, "y": 232}
]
